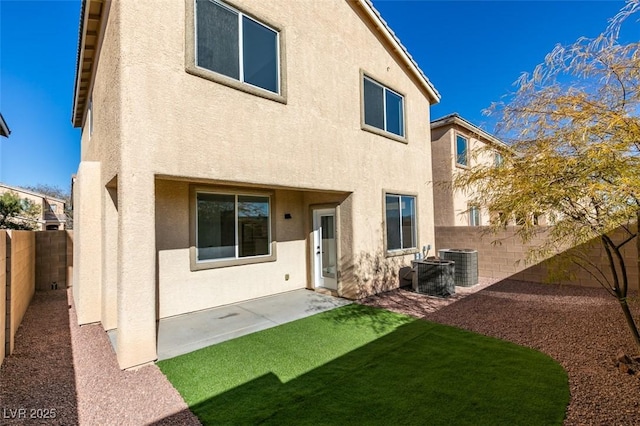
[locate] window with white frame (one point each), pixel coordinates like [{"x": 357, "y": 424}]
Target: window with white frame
[
  {"x": 383, "y": 108},
  {"x": 400, "y": 212},
  {"x": 498, "y": 159},
  {"x": 462, "y": 150},
  {"x": 232, "y": 226},
  {"x": 231, "y": 43},
  {"x": 474, "y": 216}
]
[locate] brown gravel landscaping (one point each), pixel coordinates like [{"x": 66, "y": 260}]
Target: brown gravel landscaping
[
  {"x": 582, "y": 328},
  {"x": 73, "y": 370}
]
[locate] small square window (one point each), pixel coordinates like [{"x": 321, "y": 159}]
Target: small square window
[
  {"x": 400, "y": 211},
  {"x": 462, "y": 148},
  {"x": 383, "y": 108}
]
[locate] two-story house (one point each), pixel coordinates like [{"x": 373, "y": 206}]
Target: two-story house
[
  {"x": 456, "y": 146},
  {"x": 238, "y": 149},
  {"x": 52, "y": 216}
]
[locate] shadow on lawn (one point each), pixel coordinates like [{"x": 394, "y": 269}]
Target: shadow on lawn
[{"x": 420, "y": 373}]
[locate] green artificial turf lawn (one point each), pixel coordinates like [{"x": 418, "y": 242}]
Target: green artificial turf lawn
[{"x": 361, "y": 365}]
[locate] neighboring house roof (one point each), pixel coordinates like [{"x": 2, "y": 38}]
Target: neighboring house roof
[
  {"x": 456, "y": 119},
  {"x": 4, "y": 129},
  {"x": 91, "y": 21},
  {"x": 36, "y": 194}
]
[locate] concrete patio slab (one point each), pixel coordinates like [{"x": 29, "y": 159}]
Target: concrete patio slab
[{"x": 186, "y": 333}]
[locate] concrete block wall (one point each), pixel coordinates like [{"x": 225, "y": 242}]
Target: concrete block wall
[
  {"x": 52, "y": 260},
  {"x": 3, "y": 293},
  {"x": 21, "y": 282},
  {"x": 503, "y": 255},
  {"x": 69, "y": 263}
]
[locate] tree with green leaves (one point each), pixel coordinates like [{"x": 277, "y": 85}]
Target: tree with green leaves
[
  {"x": 574, "y": 126},
  {"x": 18, "y": 213},
  {"x": 59, "y": 193}
]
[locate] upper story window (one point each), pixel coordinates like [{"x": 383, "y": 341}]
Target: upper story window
[
  {"x": 474, "y": 216},
  {"x": 383, "y": 108},
  {"x": 233, "y": 44},
  {"x": 498, "y": 159},
  {"x": 400, "y": 211},
  {"x": 462, "y": 151}
]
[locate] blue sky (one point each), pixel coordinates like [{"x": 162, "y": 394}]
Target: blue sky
[{"x": 472, "y": 51}]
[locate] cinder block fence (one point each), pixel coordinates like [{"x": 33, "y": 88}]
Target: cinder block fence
[
  {"x": 503, "y": 255},
  {"x": 29, "y": 261}
]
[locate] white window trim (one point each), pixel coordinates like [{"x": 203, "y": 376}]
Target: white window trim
[{"x": 466, "y": 156}]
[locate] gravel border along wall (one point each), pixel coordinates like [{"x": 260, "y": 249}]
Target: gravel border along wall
[{"x": 70, "y": 373}]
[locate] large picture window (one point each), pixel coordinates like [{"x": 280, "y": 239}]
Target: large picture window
[
  {"x": 400, "y": 213},
  {"x": 383, "y": 108},
  {"x": 231, "y": 43},
  {"x": 232, "y": 226},
  {"x": 462, "y": 149}
]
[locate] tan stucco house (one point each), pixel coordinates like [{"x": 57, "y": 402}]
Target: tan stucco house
[
  {"x": 237, "y": 149},
  {"x": 52, "y": 215},
  {"x": 457, "y": 145}
]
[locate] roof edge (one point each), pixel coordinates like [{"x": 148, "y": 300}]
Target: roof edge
[
  {"x": 82, "y": 31},
  {"x": 27, "y": 191},
  {"x": 4, "y": 128},
  {"x": 455, "y": 118},
  {"x": 384, "y": 29}
]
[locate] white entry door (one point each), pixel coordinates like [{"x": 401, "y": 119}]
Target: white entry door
[{"x": 325, "y": 257}]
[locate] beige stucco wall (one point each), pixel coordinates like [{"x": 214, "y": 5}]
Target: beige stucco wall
[
  {"x": 158, "y": 128},
  {"x": 181, "y": 290},
  {"x": 314, "y": 141},
  {"x": 23, "y": 278},
  {"x": 452, "y": 204},
  {"x": 87, "y": 248}
]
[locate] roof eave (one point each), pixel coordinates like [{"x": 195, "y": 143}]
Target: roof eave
[
  {"x": 372, "y": 13},
  {"x": 455, "y": 119},
  {"x": 4, "y": 129},
  {"x": 85, "y": 62}
]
